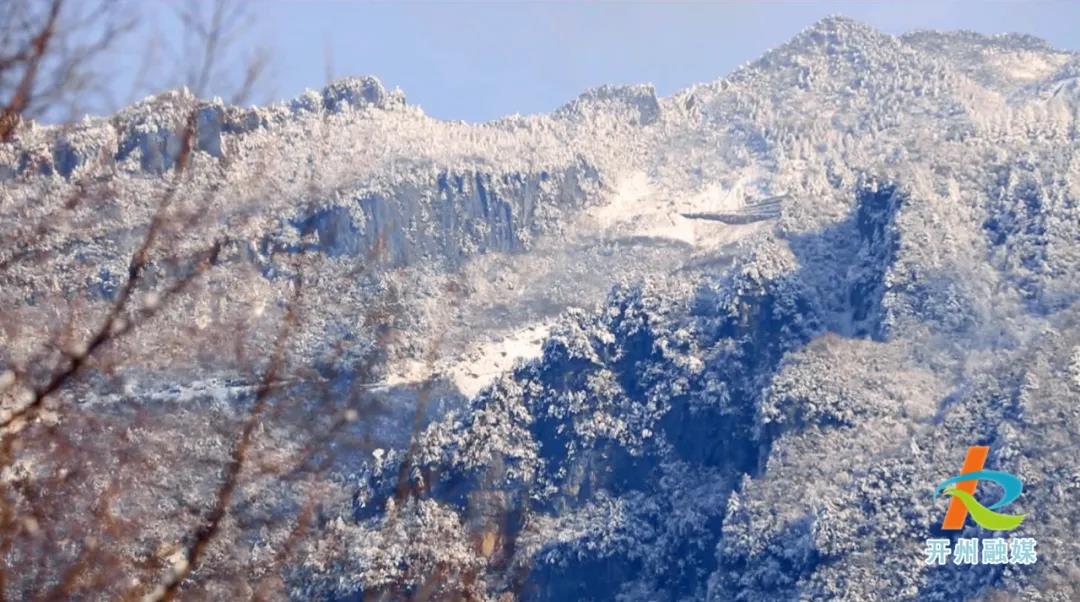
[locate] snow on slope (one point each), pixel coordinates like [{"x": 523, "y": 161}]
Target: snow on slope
[
  {"x": 859, "y": 246},
  {"x": 636, "y": 231},
  {"x": 776, "y": 432},
  {"x": 484, "y": 361}
]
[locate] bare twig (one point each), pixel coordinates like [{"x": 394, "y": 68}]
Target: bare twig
[{"x": 205, "y": 534}]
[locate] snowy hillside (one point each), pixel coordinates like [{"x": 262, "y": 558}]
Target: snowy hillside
[{"x": 719, "y": 345}]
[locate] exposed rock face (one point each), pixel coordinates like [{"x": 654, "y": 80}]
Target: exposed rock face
[{"x": 461, "y": 215}]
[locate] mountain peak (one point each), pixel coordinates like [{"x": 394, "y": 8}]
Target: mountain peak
[
  {"x": 349, "y": 93},
  {"x": 359, "y": 92},
  {"x": 836, "y": 35},
  {"x": 839, "y": 28}
]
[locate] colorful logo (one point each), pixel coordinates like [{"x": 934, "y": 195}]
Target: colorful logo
[{"x": 961, "y": 489}]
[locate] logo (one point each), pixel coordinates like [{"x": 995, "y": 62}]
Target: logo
[
  {"x": 962, "y": 503},
  {"x": 962, "y": 490}
]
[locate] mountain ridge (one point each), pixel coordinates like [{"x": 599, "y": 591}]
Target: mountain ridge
[{"x": 888, "y": 269}]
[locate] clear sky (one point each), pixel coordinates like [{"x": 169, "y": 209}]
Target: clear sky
[{"x": 480, "y": 60}]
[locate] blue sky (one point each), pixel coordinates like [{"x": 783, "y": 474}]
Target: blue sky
[{"x": 481, "y": 60}]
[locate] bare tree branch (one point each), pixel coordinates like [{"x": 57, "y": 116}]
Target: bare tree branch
[{"x": 205, "y": 534}]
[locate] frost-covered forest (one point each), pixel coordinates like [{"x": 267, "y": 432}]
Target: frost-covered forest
[{"x": 714, "y": 346}]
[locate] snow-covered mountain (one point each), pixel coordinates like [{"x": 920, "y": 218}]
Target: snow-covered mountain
[{"x": 719, "y": 345}]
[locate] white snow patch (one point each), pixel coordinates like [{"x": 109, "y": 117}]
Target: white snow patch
[
  {"x": 480, "y": 362},
  {"x": 638, "y": 208},
  {"x": 1027, "y": 66},
  {"x": 485, "y": 360},
  {"x": 629, "y": 201}
]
